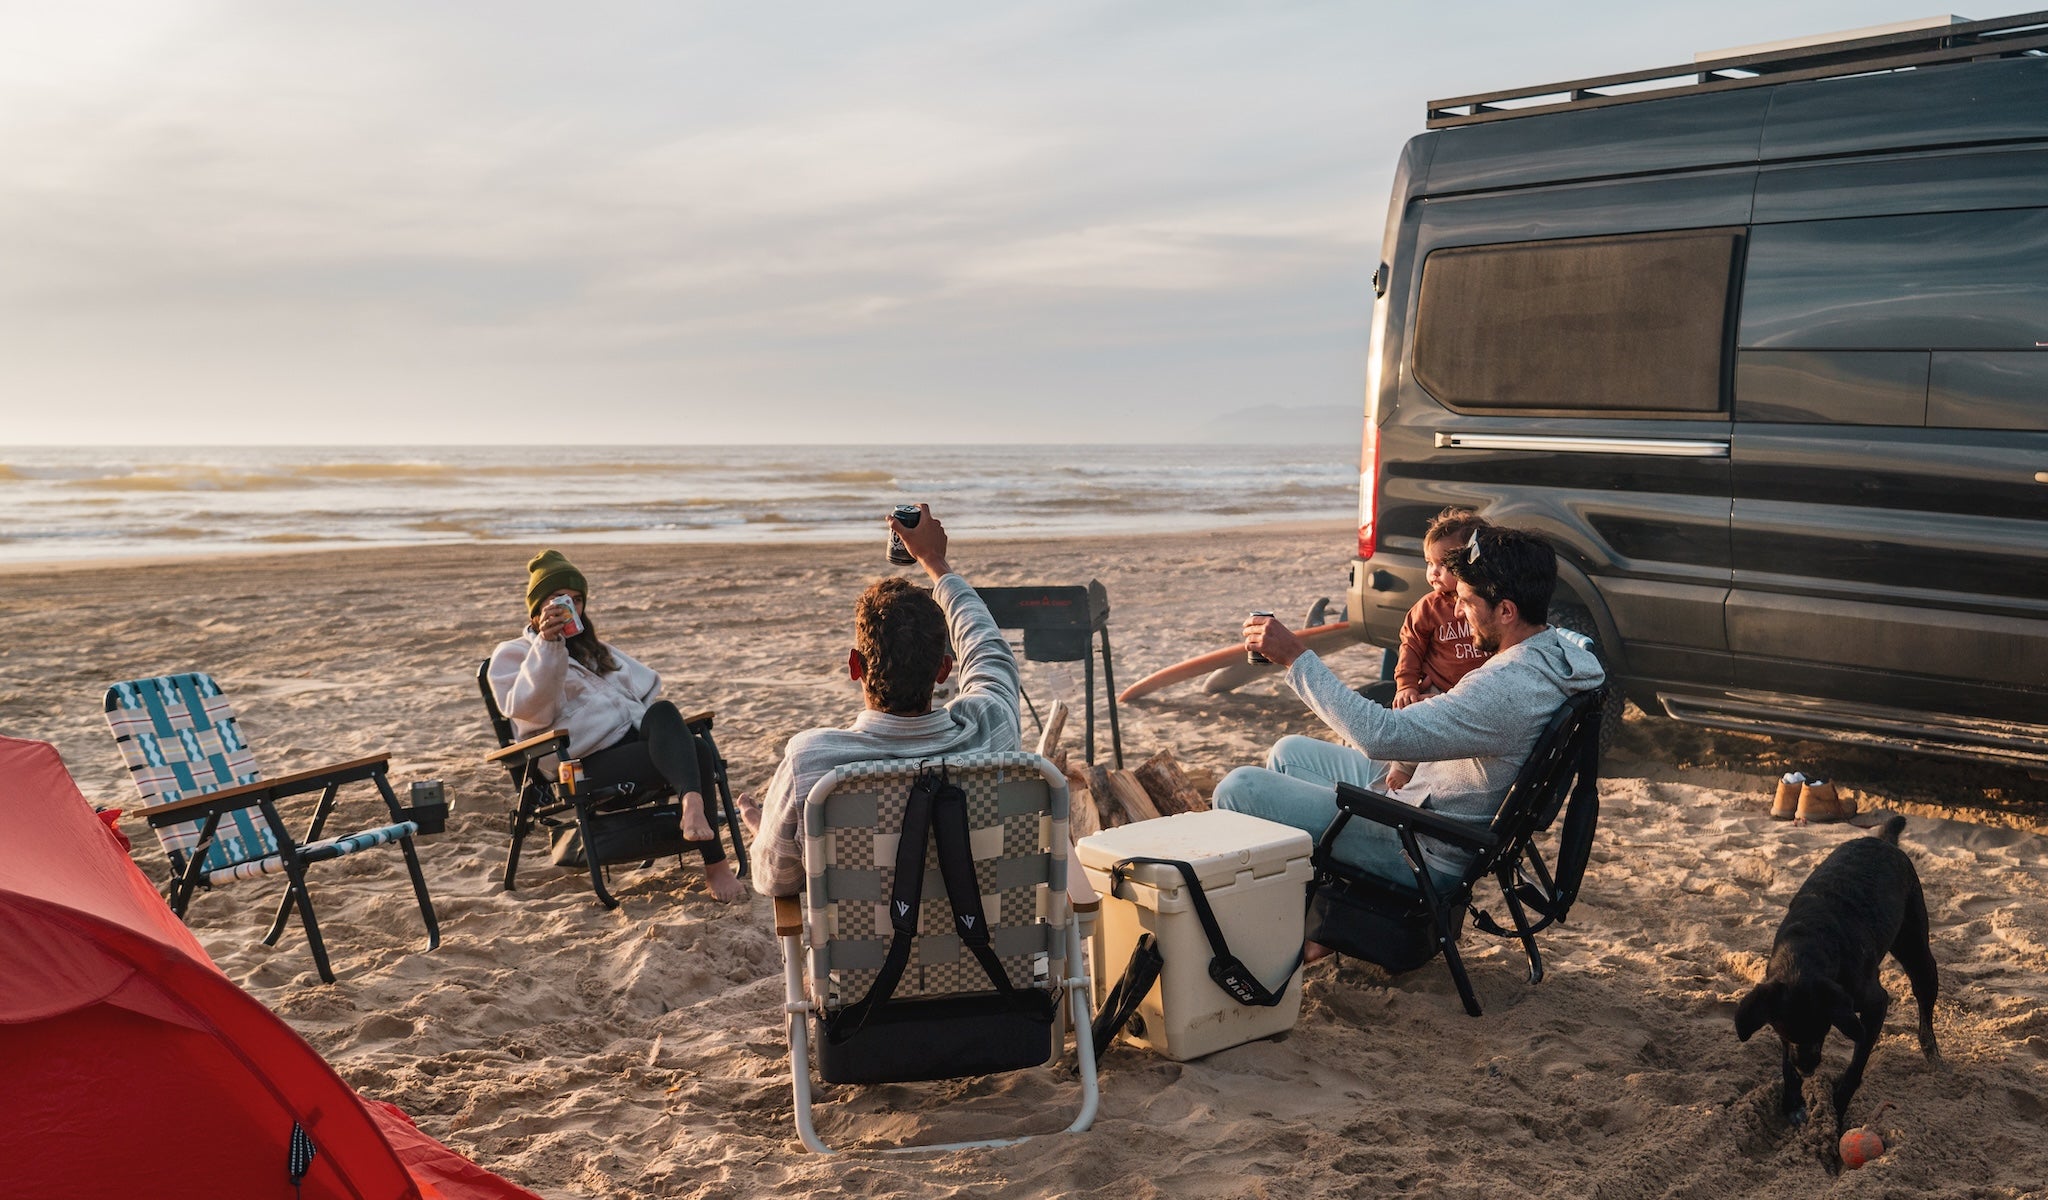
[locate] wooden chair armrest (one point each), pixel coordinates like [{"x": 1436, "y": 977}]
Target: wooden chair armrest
[
  {"x": 1385, "y": 810},
  {"x": 703, "y": 718},
  {"x": 789, "y": 916},
  {"x": 540, "y": 745},
  {"x": 248, "y": 794}
]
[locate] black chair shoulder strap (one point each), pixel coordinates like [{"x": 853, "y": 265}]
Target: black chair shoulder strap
[
  {"x": 934, "y": 811},
  {"x": 1581, "y": 820}
]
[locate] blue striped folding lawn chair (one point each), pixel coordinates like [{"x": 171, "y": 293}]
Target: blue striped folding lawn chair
[
  {"x": 934, "y": 939},
  {"x": 216, "y": 815}
]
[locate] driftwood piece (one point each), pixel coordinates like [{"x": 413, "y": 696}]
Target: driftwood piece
[
  {"x": 1055, "y": 724},
  {"x": 1131, "y": 796},
  {"x": 1168, "y": 785},
  {"x": 1082, "y": 817}
]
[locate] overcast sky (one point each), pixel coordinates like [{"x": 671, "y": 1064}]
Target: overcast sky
[{"x": 371, "y": 222}]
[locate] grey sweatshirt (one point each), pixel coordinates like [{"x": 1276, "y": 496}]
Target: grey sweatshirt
[{"x": 1469, "y": 742}]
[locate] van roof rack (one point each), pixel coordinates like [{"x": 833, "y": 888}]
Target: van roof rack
[{"x": 2001, "y": 37}]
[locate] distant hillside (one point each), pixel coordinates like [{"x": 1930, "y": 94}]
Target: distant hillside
[{"x": 1289, "y": 424}]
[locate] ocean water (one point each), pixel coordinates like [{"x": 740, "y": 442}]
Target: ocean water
[{"x": 59, "y": 503}]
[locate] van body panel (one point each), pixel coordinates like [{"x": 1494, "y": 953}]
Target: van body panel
[
  {"x": 1945, "y": 530},
  {"x": 1928, "y": 182},
  {"x": 1708, "y": 200},
  {"x": 1835, "y": 387},
  {"x": 1961, "y": 104},
  {"x": 1988, "y": 389},
  {"x": 1670, "y": 135},
  {"x": 1909, "y": 657}
]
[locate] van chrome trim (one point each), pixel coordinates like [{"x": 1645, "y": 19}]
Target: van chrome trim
[{"x": 1654, "y": 447}]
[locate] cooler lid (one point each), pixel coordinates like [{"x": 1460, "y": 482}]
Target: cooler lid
[{"x": 1218, "y": 844}]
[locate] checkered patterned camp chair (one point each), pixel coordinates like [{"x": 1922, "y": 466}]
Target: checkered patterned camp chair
[
  {"x": 962, "y": 985},
  {"x": 217, "y": 816}
]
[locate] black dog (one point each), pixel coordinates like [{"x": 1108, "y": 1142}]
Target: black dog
[{"x": 1863, "y": 901}]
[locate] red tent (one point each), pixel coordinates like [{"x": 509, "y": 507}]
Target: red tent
[{"x": 130, "y": 1066}]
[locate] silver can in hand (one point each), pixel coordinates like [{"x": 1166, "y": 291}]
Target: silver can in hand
[
  {"x": 1251, "y": 655},
  {"x": 909, "y": 515}
]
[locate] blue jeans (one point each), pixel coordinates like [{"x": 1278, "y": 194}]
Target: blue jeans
[{"x": 1298, "y": 787}]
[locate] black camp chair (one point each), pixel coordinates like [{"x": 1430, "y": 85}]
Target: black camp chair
[
  {"x": 615, "y": 827},
  {"x": 1401, "y": 927}
]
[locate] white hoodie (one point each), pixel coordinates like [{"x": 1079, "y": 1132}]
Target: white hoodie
[{"x": 540, "y": 686}]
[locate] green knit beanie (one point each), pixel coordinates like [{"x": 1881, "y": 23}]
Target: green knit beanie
[{"x": 552, "y": 573}]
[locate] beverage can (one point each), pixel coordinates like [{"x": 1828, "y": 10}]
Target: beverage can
[
  {"x": 1253, "y": 656},
  {"x": 909, "y": 515},
  {"x": 575, "y": 623},
  {"x": 571, "y": 773}
]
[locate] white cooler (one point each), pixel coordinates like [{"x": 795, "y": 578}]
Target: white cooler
[{"x": 1255, "y": 873}]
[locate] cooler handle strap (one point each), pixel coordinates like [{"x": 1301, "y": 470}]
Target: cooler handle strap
[
  {"x": 1225, "y": 968},
  {"x": 1123, "y": 999}
]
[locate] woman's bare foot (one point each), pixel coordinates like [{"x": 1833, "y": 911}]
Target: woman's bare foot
[
  {"x": 696, "y": 827},
  {"x": 725, "y": 886},
  {"x": 1314, "y": 952},
  {"x": 750, "y": 813}
]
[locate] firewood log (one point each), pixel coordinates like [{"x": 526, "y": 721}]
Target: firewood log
[
  {"x": 1131, "y": 795},
  {"x": 1109, "y": 813},
  {"x": 1082, "y": 817},
  {"x": 1168, "y": 785}
]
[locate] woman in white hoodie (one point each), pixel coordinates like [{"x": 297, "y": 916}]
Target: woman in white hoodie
[{"x": 618, "y": 727}]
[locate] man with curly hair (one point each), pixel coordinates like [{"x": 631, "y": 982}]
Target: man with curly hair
[{"x": 904, "y": 643}]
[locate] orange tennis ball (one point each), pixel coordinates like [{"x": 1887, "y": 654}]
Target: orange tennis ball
[{"x": 1861, "y": 1145}]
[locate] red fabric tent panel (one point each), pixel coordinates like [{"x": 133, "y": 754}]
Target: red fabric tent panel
[
  {"x": 130, "y": 1066},
  {"x": 185, "y": 1124}
]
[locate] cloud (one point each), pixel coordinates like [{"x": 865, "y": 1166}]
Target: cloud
[{"x": 722, "y": 219}]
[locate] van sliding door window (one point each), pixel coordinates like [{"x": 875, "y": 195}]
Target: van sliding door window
[
  {"x": 1937, "y": 319},
  {"x": 1935, "y": 281},
  {"x": 1616, "y": 325}
]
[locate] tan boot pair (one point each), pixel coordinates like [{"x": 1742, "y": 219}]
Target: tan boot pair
[{"x": 1801, "y": 799}]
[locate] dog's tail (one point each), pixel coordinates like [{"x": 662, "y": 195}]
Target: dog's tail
[{"x": 1890, "y": 832}]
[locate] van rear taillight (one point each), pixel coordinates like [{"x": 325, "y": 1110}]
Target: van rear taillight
[{"x": 1369, "y": 488}]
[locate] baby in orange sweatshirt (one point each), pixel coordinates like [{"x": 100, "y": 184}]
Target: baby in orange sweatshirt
[{"x": 1436, "y": 644}]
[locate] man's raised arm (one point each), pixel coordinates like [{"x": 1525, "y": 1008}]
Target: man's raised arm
[{"x": 984, "y": 665}]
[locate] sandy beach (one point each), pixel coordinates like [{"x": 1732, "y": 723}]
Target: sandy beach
[{"x": 639, "y": 1053}]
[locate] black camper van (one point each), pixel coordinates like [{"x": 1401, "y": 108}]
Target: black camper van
[{"x": 1761, "y": 344}]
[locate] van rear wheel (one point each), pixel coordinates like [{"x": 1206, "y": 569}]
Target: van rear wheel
[{"x": 1578, "y": 620}]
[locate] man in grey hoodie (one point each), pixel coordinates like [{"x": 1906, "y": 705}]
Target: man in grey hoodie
[{"x": 1468, "y": 744}]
